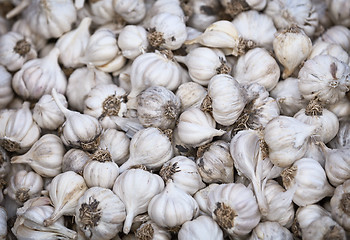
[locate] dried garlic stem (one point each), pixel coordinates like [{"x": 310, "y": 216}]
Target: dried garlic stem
[
  {"x": 145, "y": 232},
  {"x": 225, "y": 215}
]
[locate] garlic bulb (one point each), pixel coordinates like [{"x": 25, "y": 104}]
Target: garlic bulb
[
  {"x": 292, "y": 47},
  {"x": 183, "y": 172},
  {"x": 270, "y": 231},
  {"x": 99, "y": 213},
  {"x": 225, "y": 99},
  {"x": 65, "y": 190},
  {"x": 151, "y": 230},
  {"x": 324, "y": 77},
  {"x": 39, "y": 76},
  {"x": 332, "y": 49},
  {"x": 261, "y": 29},
  {"x": 18, "y": 131},
  {"x": 100, "y": 171},
  {"x": 323, "y": 228},
  {"x": 3, "y": 223},
  {"x": 288, "y": 96},
  {"x": 286, "y": 134},
  {"x": 158, "y": 107},
  {"x": 146, "y": 185},
  {"x": 339, "y": 12},
  {"x": 167, "y": 31},
  {"x": 202, "y": 13},
  {"x": 72, "y": 44},
  {"x": 342, "y": 138},
  {"x": 203, "y": 63},
  {"x": 6, "y": 92},
  {"x": 340, "y": 205},
  {"x": 201, "y": 228},
  {"x": 149, "y": 147},
  {"x": 15, "y": 50},
  {"x": 102, "y": 12},
  {"x": 201, "y": 198},
  {"x": 172, "y": 207},
  {"x": 341, "y": 109},
  {"x": 132, "y": 41},
  {"x": 234, "y": 208},
  {"x": 196, "y": 128},
  {"x": 339, "y": 35},
  {"x": 131, "y": 12},
  {"x": 74, "y": 160},
  {"x": 309, "y": 179},
  {"x": 257, "y": 66},
  {"x": 191, "y": 94},
  {"x": 279, "y": 203},
  {"x": 215, "y": 163},
  {"x": 105, "y": 101},
  {"x": 80, "y": 83},
  {"x": 46, "y": 112},
  {"x": 79, "y": 130},
  {"x": 286, "y": 13}
]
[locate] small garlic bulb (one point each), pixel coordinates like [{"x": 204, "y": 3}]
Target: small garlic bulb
[
  {"x": 132, "y": 41},
  {"x": 233, "y": 206},
  {"x": 65, "y": 190},
  {"x": 39, "y": 76},
  {"x": 270, "y": 231},
  {"x": 151, "y": 230},
  {"x": 79, "y": 130},
  {"x": 339, "y": 35},
  {"x": 75, "y": 160},
  {"x": 340, "y": 205},
  {"x": 145, "y": 186},
  {"x": 339, "y": 12},
  {"x": 131, "y": 12},
  {"x": 257, "y": 66},
  {"x": 196, "y": 128},
  {"x": 215, "y": 163},
  {"x": 309, "y": 179},
  {"x": 101, "y": 12},
  {"x": 158, "y": 107},
  {"x": 100, "y": 171},
  {"x": 191, "y": 94},
  {"x": 292, "y": 47},
  {"x": 6, "y": 91},
  {"x": 324, "y": 77},
  {"x": 46, "y": 112},
  {"x": 201, "y": 228},
  {"x": 172, "y": 207},
  {"x": 332, "y": 49},
  {"x": 15, "y": 50},
  {"x": 24, "y": 185},
  {"x": 99, "y": 213}
]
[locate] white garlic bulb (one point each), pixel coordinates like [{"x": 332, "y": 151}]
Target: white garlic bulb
[
  {"x": 340, "y": 205},
  {"x": 323, "y": 228},
  {"x": 15, "y": 50},
  {"x": 24, "y": 185},
  {"x": 101, "y": 12},
  {"x": 72, "y": 44},
  {"x": 324, "y": 77},
  {"x": 158, "y": 107},
  {"x": 201, "y": 198},
  {"x": 342, "y": 138},
  {"x": 46, "y": 112},
  {"x": 100, "y": 171},
  {"x": 191, "y": 94},
  {"x": 167, "y": 31},
  {"x": 257, "y": 66},
  {"x": 3, "y": 223},
  {"x": 339, "y": 35},
  {"x": 332, "y": 49},
  {"x": 183, "y": 172},
  {"x": 202, "y": 13},
  {"x": 80, "y": 83},
  {"x": 292, "y": 47},
  {"x": 309, "y": 179},
  {"x": 196, "y": 128},
  {"x": 270, "y": 231},
  {"x": 339, "y": 12},
  {"x": 286, "y": 134},
  {"x": 18, "y": 131},
  {"x": 201, "y": 228},
  {"x": 6, "y": 92},
  {"x": 79, "y": 130},
  {"x": 65, "y": 190},
  {"x": 142, "y": 149},
  {"x": 261, "y": 29},
  {"x": 39, "y": 76},
  {"x": 131, "y": 12},
  {"x": 172, "y": 207},
  {"x": 144, "y": 185},
  {"x": 99, "y": 213},
  {"x": 337, "y": 165},
  {"x": 233, "y": 206},
  {"x": 225, "y": 100},
  {"x": 132, "y": 41},
  {"x": 151, "y": 230},
  {"x": 215, "y": 163},
  {"x": 74, "y": 160},
  {"x": 306, "y": 215}
]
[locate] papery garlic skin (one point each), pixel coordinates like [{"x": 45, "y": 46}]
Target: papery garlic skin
[
  {"x": 339, "y": 35},
  {"x": 100, "y": 213},
  {"x": 309, "y": 179},
  {"x": 146, "y": 185},
  {"x": 15, "y": 50},
  {"x": 6, "y": 92},
  {"x": 332, "y": 49},
  {"x": 203, "y": 227},
  {"x": 75, "y": 160},
  {"x": 257, "y": 66},
  {"x": 324, "y": 77},
  {"x": 132, "y": 41},
  {"x": 191, "y": 94},
  {"x": 3, "y": 223},
  {"x": 270, "y": 231},
  {"x": 46, "y": 113},
  {"x": 340, "y": 205}
]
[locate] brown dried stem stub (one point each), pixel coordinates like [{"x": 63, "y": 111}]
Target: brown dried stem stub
[
  {"x": 168, "y": 54},
  {"x": 236, "y": 6},
  {"x": 90, "y": 214},
  {"x": 167, "y": 132},
  {"x": 288, "y": 176},
  {"x": 345, "y": 203},
  {"x": 22, "y": 47},
  {"x": 167, "y": 172},
  {"x": 10, "y": 145},
  {"x": 111, "y": 106},
  {"x": 101, "y": 155},
  {"x": 202, "y": 149},
  {"x": 245, "y": 45},
  {"x": 314, "y": 108},
  {"x": 295, "y": 228},
  {"x": 170, "y": 110},
  {"x": 155, "y": 38},
  {"x": 223, "y": 68},
  {"x": 225, "y": 215},
  {"x": 22, "y": 195},
  {"x": 333, "y": 69},
  {"x": 206, "y": 104},
  {"x": 90, "y": 145},
  {"x": 145, "y": 232}
]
